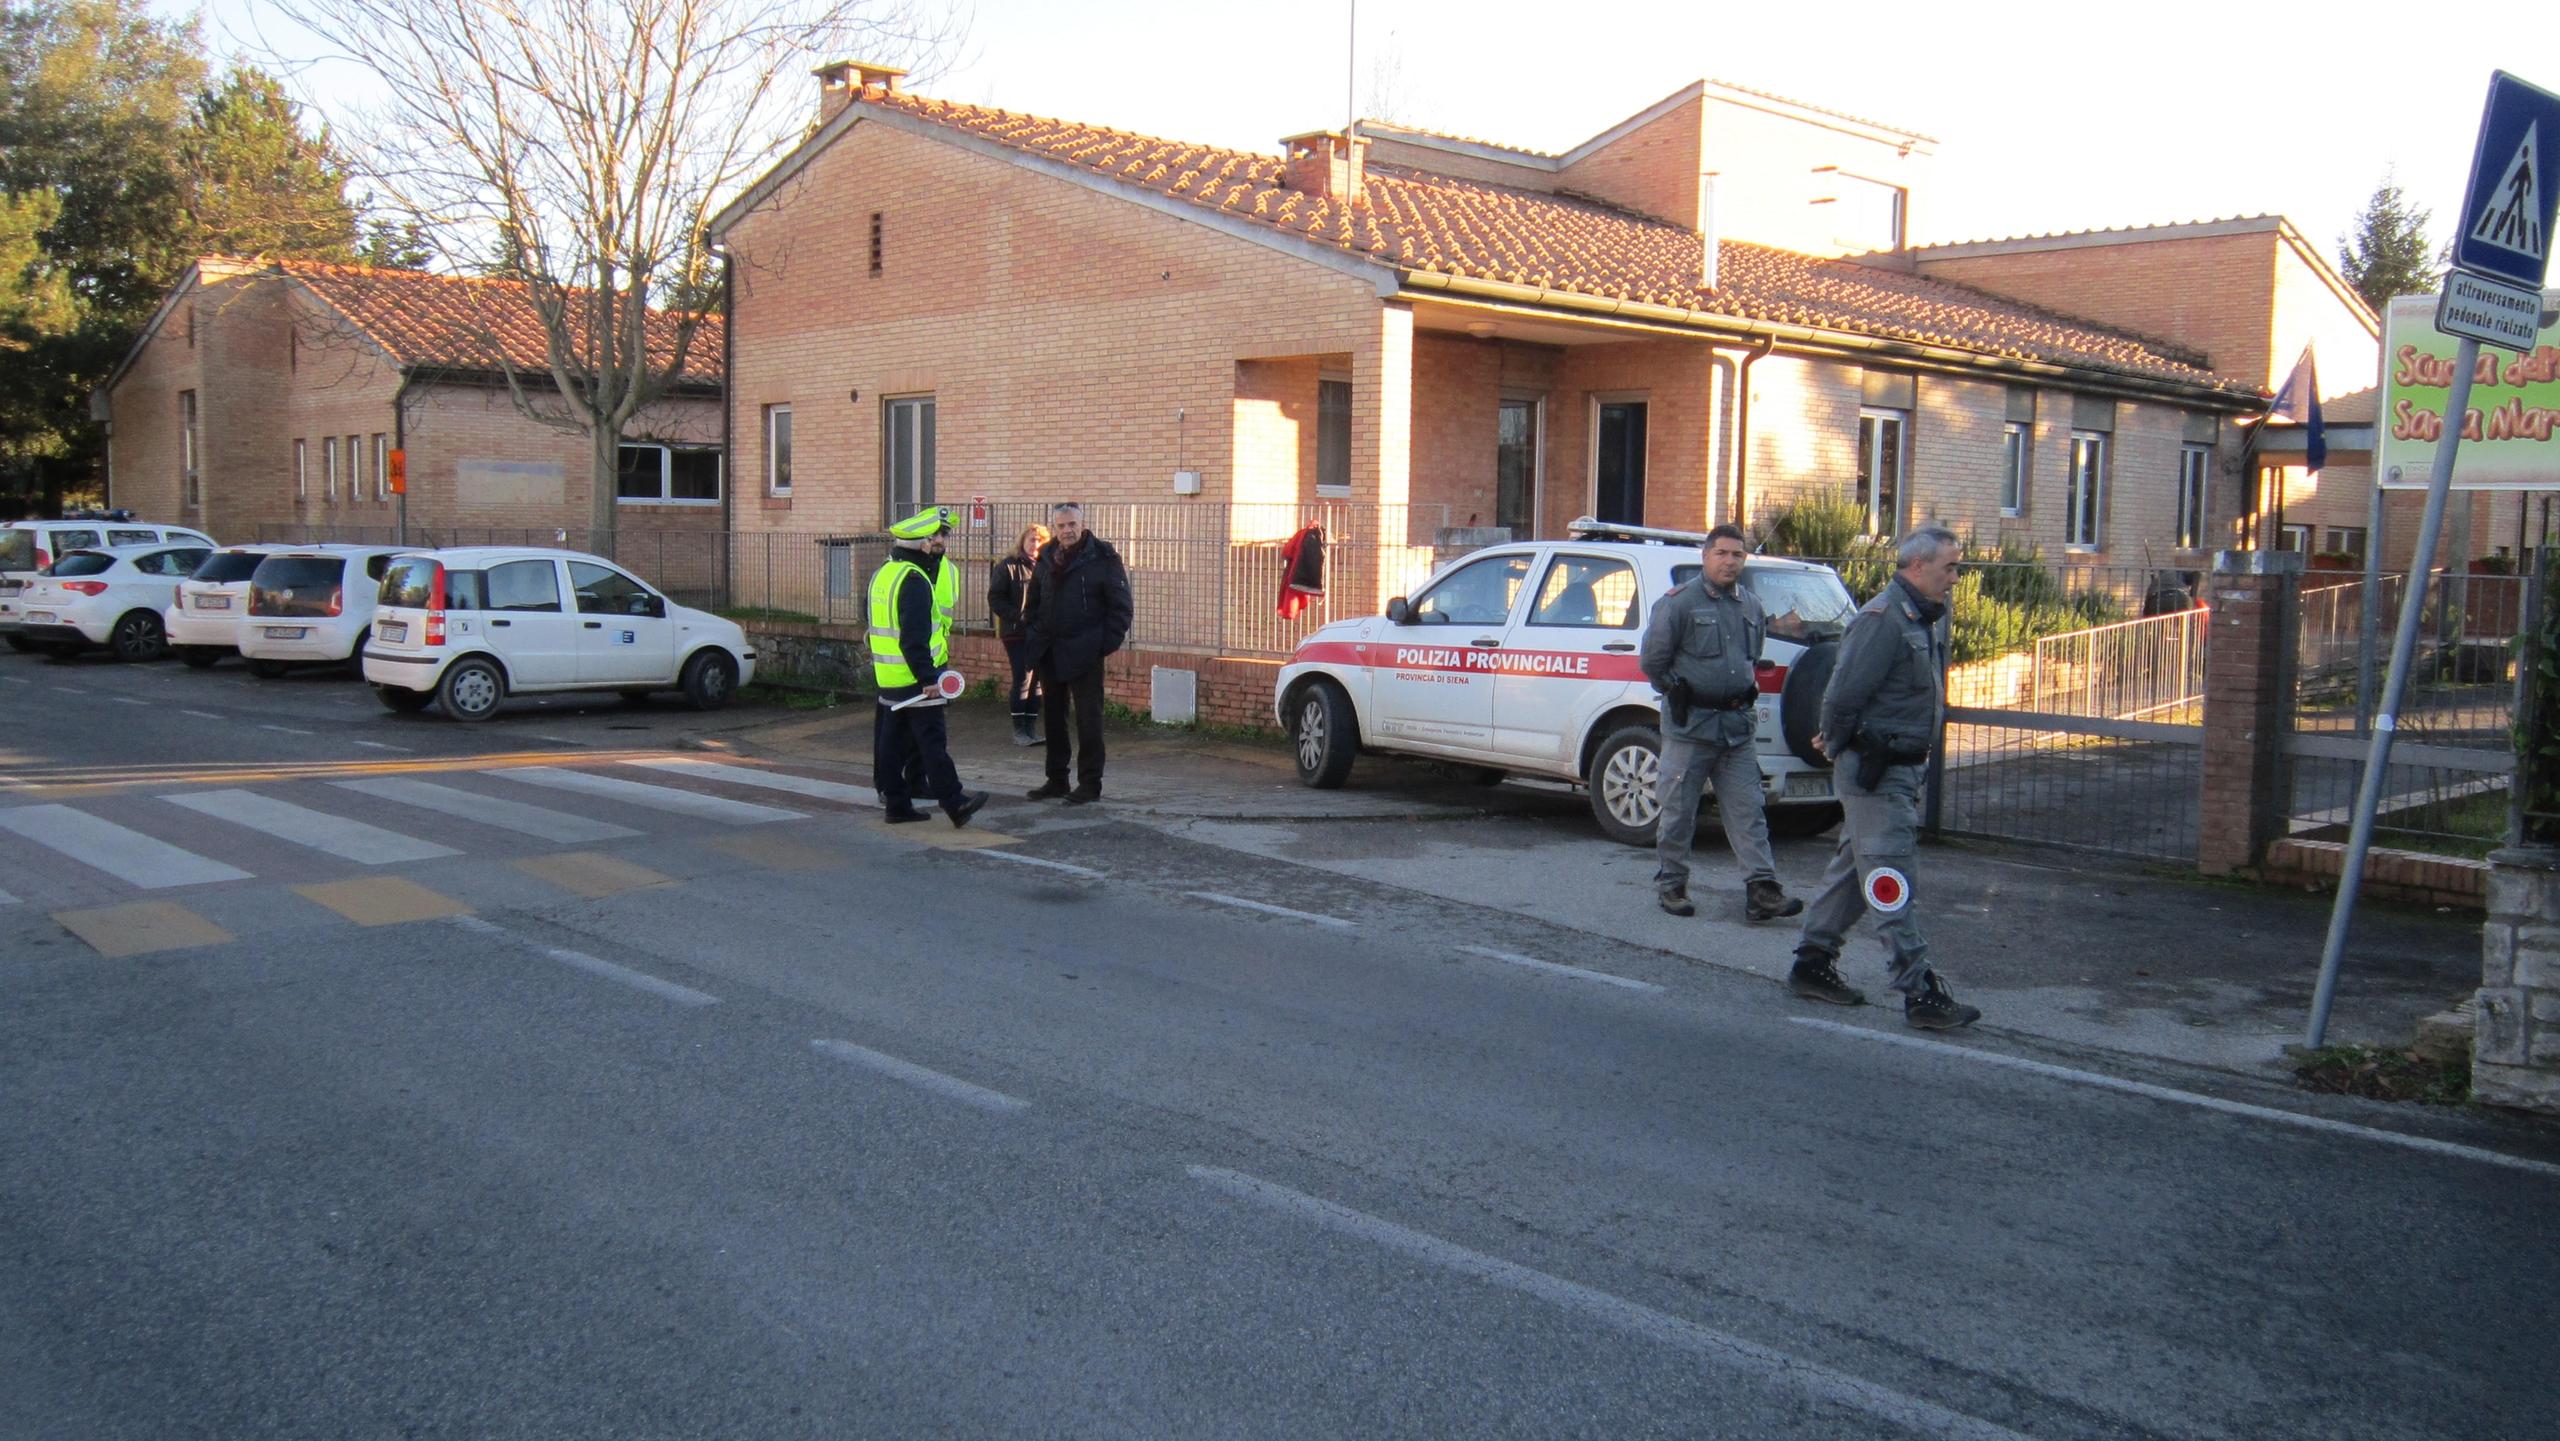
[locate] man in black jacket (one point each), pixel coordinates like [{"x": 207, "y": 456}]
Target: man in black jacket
[{"x": 1078, "y": 612}]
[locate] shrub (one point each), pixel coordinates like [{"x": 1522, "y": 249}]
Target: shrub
[{"x": 1819, "y": 524}]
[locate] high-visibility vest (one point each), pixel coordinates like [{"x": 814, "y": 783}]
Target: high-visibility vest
[{"x": 888, "y": 662}]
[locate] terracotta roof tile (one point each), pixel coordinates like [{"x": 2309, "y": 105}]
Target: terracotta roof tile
[
  {"x": 1420, "y": 220},
  {"x": 468, "y": 322}
]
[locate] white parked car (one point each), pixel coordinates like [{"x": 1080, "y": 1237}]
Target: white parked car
[
  {"x": 312, "y": 605},
  {"x": 1521, "y": 659},
  {"x": 203, "y": 620},
  {"x": 108, "y": 597},
  {"x": 28, "y": 546},
  {"x": 464, "y": 629}
]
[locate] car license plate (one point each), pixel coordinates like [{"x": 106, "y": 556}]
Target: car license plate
[
  {"x": 213, "y": 602},
  {"x": 286, "y": 632},
  {"x": 393, "y": 630},
  {"x": 39, "y": 617},
  {"x": 1810, "y": 785},
  {"x": 12, "y": 587}
]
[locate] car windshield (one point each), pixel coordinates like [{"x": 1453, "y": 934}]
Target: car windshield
[
  {"x": 304, "y": 585},
  {"x": 82, "y": 562},
  {"x": 228, "y": 565},
  {"x": 17, "y": 550},
  {"x": 1803, "y": 605}
]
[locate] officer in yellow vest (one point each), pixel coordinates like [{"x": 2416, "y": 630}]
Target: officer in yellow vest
[{"x": 912, "y": 597}]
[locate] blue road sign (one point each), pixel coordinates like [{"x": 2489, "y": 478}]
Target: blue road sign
[{"x": 2507, "y": 209}]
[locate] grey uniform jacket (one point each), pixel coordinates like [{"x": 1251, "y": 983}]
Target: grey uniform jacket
[
  {"x": 1891, "y": 677},
  {"x": 1711, "y": 640}
]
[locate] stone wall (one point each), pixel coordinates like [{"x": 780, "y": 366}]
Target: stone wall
[{"x": 2515, "y": 1047}]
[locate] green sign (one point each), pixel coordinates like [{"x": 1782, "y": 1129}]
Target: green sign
[{"x": 2510, "y": 435}]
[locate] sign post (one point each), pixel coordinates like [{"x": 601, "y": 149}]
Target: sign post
[
  {"x": 398, "y": 473},
  {"x": 2505, "y": 244}
]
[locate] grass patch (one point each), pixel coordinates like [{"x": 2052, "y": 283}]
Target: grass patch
[
  {"x": 745, "y": 613},
  {"x": 2384, "y": 1075},
  {"x": 2469, "y": 828}
]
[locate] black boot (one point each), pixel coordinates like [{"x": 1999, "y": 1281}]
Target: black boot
[
  {"x": 1816, "y": 977},
  {"x": 1026, "y": 731},
  {"x": 969, "y": 804},
  {"x": 1935, "y": 1008},
  {"x": 1766, "y": 901},
  {"x": 1084, "y": 795},
  {"x": 903, "y": 815},
  {"x": 1049, "y": 790},
  {"x": 1676, "y": 901}
]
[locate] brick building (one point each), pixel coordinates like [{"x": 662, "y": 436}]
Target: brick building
[
  {"x": 934, "y": 301},
  {"x": 265, "y": 398}
]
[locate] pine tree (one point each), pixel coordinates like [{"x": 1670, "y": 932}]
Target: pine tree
[
  {"x": 2387, "y": 254},
  {"x": 395, "y": 245},
  {"x": 256, "y": 183}
]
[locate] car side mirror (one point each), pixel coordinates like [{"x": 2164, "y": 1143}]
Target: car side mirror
[
  {"x": 652, "y": 606},
  {"x": 1400, "y": 611}
]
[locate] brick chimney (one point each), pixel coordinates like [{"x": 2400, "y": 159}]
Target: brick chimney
[
  {"x": 1329, "y": 163},
  {"x": 841, "y": 82}
]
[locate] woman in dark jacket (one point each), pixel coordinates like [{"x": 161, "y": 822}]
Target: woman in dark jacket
[{"x": 1008, "y": 591}]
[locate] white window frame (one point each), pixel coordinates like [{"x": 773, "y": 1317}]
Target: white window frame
[
  {"x": 1870, "y": 488},
  {"x": 302, "y": 470},
  {"x": 2084, "y": 526},
  {"x": 1350, "y": 402},
  {"x": 2195, "y": 488},
  {"x": 2338, "y": 535},
  {"x": 329, "y": 468},
  {"x": 190, "y": 459},
  {"x": 667, "y": 474},
  {"x": 924, "y": 465},
  {"x": 1537, "y": 404},
  {"x": 2017, "y": 460},
  {"x": 381, "y": 466},
  {"x": 355, "y": 467},
  {"x": 777, "y": 478}
]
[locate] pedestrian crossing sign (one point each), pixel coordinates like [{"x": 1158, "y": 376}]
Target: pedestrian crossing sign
[{"x": 2507, "y": 209}]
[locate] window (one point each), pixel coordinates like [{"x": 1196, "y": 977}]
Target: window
[
  {"x": 190, "y": 474},
  {"x": 1333, "y": 437},
  {"x": 1515, "y": 467},
  {"x": 229, "y": 565},
  {"x": 664, "y": 474},
  {"x": 328, "y": 467},
  {"x": 777, "y": 450},
  {"x": 875, "y": 244},
  {"x": 2295, "y": 538},
  {"x": 2017, "y": 442},
  {"x": 604, "y": 591},
  {"x": 524, "y": 585},
  {"x": 1479, "y": 593},
  {"x": 381, "y": 466},
  {"x": 2083, "y": 523},
  {"x": 133, "y": 537},
  {"x": 907, "y": 481},
  {"x": 1585, "y": 590},
  {"x": 1880, "y": 468},
  {"x": 355, "y": 467},
  {"x": 2347, "y": 540},
  {"x": 2194, "y": 462},
  {"x": 179, "y": 563},
  {"x": 301, "y": 470}
]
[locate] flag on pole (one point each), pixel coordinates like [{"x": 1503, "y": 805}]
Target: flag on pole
[{"x": 2299, "y": 401}]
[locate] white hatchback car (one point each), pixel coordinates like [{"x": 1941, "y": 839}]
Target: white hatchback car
[
  {"x": 1520, "y": 659},
  {"x": 203, "y": 619},
  {"x": 464, "y": 629},
  {"x": 312, "y": 605},
  {"x": 28, "y": 546},
  {"x": 106, "y": 597}
]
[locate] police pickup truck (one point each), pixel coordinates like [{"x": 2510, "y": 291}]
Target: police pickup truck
[{"x": 1521, "y": 659}]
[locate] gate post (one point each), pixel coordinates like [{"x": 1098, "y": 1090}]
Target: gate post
[{"x": 2248, "y": 687}]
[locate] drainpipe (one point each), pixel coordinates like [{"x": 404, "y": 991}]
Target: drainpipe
[
  {"x": 1742, "y": 429},
  {"x": 728, "y": 410},
  {"x": 400, "y": 443}
]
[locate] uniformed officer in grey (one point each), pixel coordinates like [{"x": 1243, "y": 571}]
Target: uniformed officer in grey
[
  {"x": 1700, "y": 652},
  {"x": 1880, "y": 717}
]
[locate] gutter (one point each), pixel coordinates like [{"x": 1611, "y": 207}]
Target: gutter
[
  {"x": 1798, "y": 339},
  {"x": 1742, "y": 428}
]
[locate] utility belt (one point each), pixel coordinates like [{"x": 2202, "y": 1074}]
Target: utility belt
[
  {"x": 1879, "y": 749},
  {"x": 1680, "y": 702}
]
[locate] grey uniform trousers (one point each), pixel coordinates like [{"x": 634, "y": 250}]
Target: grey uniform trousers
[
  {"x": 1687, "y": 766},
  {"x": 1872, "y": 871}
]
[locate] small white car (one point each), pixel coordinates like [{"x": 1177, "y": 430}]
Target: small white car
[
  {"x": 312, "y": 605},
  {"x": 106, "y": 597},
  {"x": 464, "y": 629},
  {"x": 203, "y": 621},
  {"x": 28, "y": 546},
  {"x": 1521, "y": 659}
]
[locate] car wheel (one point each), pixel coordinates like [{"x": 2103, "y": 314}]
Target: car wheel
[
  {"x": 1327, "y": 736},
  {"x": 1789, "y": 823},
  {"x": 471, "y": 689},
  {"x": 267, "y": 669},
  {"x": 1625, "y": 773},
  {"x": 1800, "y": 701},
  {"x": 710, "y": 678},
  {"x": 402, "y": 700},
  {"x": 198, "y": 657},
  {"x": 21, "y": 644},
  {"x": 138, "y": 637}
]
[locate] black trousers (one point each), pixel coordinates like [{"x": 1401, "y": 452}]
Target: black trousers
[
  {"x": 1085, "y": 694},
  {"x": 911, "y": 750},
  {"x": 1025, "y": 702}
]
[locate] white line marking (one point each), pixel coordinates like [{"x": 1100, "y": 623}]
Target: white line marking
[
  {"x": 7, "y": 899},
  {"x": 537, "y": 821},
  {"x": 130, "y": 700},
  {"x": 16, "y": 680},
  {"x": 1090, "y": 875},
  {"x": 288, "y": 730},
  {"x": 379, "y": 746},
  {"x": 66, "y": 689},
  {"x": 1577, "y": 972},
  {"x": 919, "y": 1076},
  {"x": 556, "y": 740},
  {"x": 201, "y": 714},
  {"x": 768, "y": 780},
  {"x": 368, "y": 845},
  {"x": 665, "y": 798},
  {"x": 602, "y": 969},
  {"x": 1268, "y": 909},
  {"x": 1750, "y": 1358},
  {"x": 103, "y": 845},
  {"x": 2190, "y": 1098}
]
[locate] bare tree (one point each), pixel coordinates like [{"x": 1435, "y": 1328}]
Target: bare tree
[{"x": 580, "y": 147}]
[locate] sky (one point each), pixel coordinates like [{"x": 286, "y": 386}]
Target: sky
[{"x": 2049, "y": 117}]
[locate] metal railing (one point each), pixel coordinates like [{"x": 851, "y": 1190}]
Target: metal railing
[{"x": 2149, "y": 669}]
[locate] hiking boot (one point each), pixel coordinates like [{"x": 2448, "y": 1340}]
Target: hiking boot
[
  {"x": 903, "y": 815},
  {"x": 1084, "y": 795},
  {"x": 1935, "y": 1008},
  {"x": 1049, "y": 791},
  {"x": 971, "y": 802},
  {"x": 1676, "y": 902},
  {"x": 1767, "y": 901},
  {"x": 1816, "y": 977},
  {"x": 1026, "y": 731}
]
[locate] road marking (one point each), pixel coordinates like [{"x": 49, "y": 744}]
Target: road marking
[
  {"x": 286, "y": 730},
  {"x": 919, "y": 1076},
  {"x": 201, "y": 714},
  {"x": 141, "y": 928},
  {"x": 130, "y": 700},
  {"x": 383, "y": 900},
  {"x": 591, "y": 875},
  {"x": 103, "y": 845},
  {"x": 1267, "y": 909},
  {"x": 16, "y": 680},
  {"x": 665, "y": 798},
  {"x": 1091, "y": 875},
  {"x": 537, "y": 821},
  {"x": 765, "y": 779},
  {"x": 1818, "y": 1382},
  {"x": 602, "y": 969},
  {"x": 379, "y": 746},
  {"x": 2190, "y": 1098},
  {"x": 367, "y": 845},
  {"x": 66, "y": 690},
  {"x": 1576, "y": 972},
  {"x": 556, "y": 740},
  {"x": 7, "y": 899}
]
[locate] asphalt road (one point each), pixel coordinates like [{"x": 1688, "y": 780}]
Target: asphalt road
[{"x": 594, "y": 1103}]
